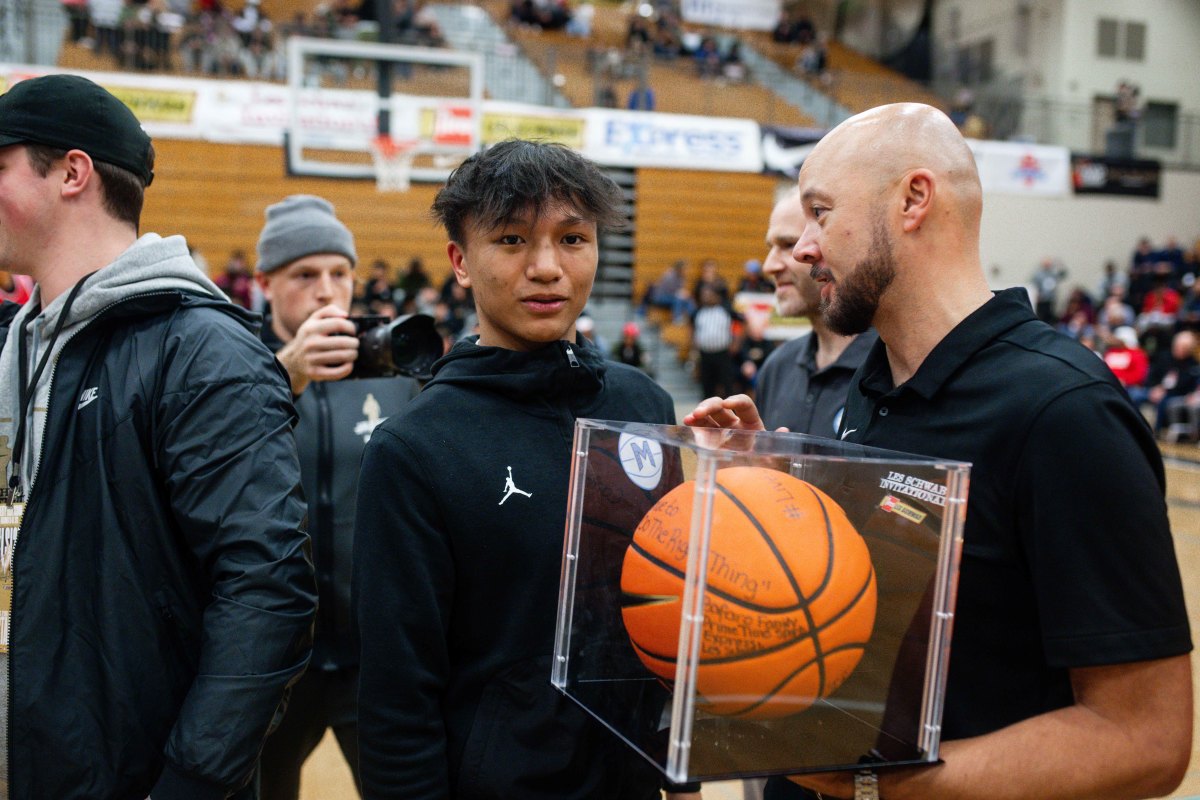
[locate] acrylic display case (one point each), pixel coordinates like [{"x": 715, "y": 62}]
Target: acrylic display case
[{"x": 738, "y": 604}]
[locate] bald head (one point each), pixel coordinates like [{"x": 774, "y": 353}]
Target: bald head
[
  {"x": 883, "y": 145},
  {"x": 892, "y": 205}
]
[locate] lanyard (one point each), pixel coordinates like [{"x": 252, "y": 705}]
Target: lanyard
[{"x": 27, "y": 387}]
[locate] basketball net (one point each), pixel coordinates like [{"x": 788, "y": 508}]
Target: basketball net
[{"x": 393, "y": 163}]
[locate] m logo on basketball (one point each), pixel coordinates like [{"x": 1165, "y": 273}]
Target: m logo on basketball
[{"x": 641, "y": 459}]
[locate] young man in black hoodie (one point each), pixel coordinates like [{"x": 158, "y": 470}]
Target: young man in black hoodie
[{"x": 462, "y": 502}]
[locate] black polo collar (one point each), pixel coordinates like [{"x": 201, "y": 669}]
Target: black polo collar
[{"x": 1006, "y": 310}]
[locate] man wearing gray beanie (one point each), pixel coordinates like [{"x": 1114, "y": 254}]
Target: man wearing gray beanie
[{"x": 306, "y": 259}]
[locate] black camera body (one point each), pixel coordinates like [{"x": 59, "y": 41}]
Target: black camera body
[{"x": 405, "y": 346}]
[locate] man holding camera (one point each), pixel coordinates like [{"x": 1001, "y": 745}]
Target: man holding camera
[{"x": 306, "y": 260}]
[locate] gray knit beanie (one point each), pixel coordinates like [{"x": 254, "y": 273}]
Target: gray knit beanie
[{"x": 298, "y": 226}]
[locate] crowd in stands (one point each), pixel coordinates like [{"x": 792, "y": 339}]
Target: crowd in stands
[
  {"x": 409, "y": 291},
  {"x": 206, "y": 37},
  {"x": 726, "y": 341},
  {"x": 795, "y": 28},
  {"x": 549, "y": 15},
  {"x": 1143, "y": 321}
]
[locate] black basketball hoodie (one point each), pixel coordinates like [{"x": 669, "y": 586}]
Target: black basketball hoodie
[{"x": 461, "y": 508}]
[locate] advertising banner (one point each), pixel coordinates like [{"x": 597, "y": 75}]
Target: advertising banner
[
  {"x": 751, "y": 15},
  {"x": 1115, "y": 176},
  {"x": 513, "y": 120},
  {"x": 1027, "y": 169},
  {"x": 784, "y": 149},
  {"x": 641, "y": 139}
]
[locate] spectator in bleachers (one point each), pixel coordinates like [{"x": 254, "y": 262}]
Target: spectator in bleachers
[
  {"x": 581, "y": 21},
  {"x": 416, "y": 24},
  {"x": 1189, "y": 309},
  {"x": 413, "y": 280},
  {"x": 711, "y": 278},
  {"x": 732, "y": 66},
  {"x": 1141, "y": 271},
  {"x": 248, "y": 18},
  {"x": 669, "y": 292},
  {"x": 77, "y": 12},
  {"x": 753, "y": 347},
  {"x": 1173, "y": 376},
  {"x": 667, "y": 44},
  {"x": 813, "y": 58},
  {"x": 966, "y": 118},
  {"x": 236, "y": 280},
  {"x": 1045, "y": 282},
  {"x": 753, "y": 279},
  {"x": 1077, "y": 325},
  {"x": 712, "y": 337},
  {"x": 1078, "y": 302},
  {"x": 708, "y": 58},
  {"x": 146, "y": 28},
  {"x": 1112, "y": 278},
  {"x": 1172, "y": 253},
  {"x": 793, "y": 28},
  {"x": 1115, "y": 312},
  {"x": 629, "y": 350},
  {"x": 641, "y": 97},
  {"x": 1126, "y": 358},
  {"x": 259, "y": 56},
  {"x": 1161, "y": 303},
  {"x": 378, "y": 294},
  {"x": 585, "y": 326},
  {"x": 638, "y": 34},
  {"x": 547, "y": 15},
  {"x": 106, "y": 26}
]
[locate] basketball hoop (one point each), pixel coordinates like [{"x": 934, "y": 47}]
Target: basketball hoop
[{"x": 393, "y": 162}]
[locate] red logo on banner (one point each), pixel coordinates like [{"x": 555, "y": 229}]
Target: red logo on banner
[{"x": 454, "y": 125}]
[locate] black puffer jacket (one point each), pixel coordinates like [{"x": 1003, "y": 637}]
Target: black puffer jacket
[{"x": 163, "y": 592}]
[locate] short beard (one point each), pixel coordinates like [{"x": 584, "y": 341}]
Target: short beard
[{"x": 850, "y": 308}]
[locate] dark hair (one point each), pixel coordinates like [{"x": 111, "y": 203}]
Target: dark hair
[
  {"x": 490, "y": 188},
  {"x": 123, "y": 191}
]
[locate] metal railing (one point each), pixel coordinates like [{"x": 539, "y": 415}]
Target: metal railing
[{"x": 31, "y": 31}]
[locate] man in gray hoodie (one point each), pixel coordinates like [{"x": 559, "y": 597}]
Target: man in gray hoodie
[{"x": 156, "y": 593}]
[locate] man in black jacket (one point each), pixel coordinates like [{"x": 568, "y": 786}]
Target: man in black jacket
[
  {"x": 462, "y": 503},
  {"x": 306, "y": 260},
  {"x": 158, "y": 595}
]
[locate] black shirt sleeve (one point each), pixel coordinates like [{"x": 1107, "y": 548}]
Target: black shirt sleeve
[{"x": 1093, "y": 521}]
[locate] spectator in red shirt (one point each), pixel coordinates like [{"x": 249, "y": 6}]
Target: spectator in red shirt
[{"x": 1126, "y": 358}]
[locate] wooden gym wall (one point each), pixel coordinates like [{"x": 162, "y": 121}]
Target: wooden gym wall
[
  {"x": 214, "y": 194},
  {"x": 696, "y": 215}
]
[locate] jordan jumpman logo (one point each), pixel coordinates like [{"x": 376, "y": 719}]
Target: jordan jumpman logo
[{"x": 510, "y": 489}]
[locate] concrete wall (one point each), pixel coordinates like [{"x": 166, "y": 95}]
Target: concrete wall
[
  {"x": 1168, "y": 71},
  {"x": 1084, "y": 232}
]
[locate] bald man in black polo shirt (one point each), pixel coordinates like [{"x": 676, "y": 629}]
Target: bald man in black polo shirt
[{"x": 1069, "y": 675}]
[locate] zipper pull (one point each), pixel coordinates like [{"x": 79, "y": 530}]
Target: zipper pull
[{"x": 571, "y": 359}]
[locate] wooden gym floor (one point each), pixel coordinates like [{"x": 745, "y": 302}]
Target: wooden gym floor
[{"x": 326, "y": 776}]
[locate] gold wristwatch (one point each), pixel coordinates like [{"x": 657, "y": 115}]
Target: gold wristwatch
[{"x": 866, "y": 785}]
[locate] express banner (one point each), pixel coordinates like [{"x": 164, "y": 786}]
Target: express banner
[{"x": 679, "y": 141}]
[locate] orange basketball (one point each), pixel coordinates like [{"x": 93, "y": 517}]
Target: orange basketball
[{"x": 790, "y": 597}]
